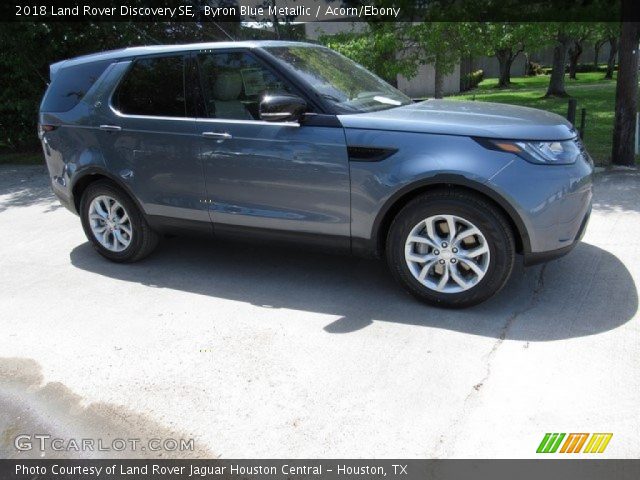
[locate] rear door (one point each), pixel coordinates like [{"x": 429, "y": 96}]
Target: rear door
[
  {"x": 149, "y": 138},
  {"x": 279, "y": 177}
]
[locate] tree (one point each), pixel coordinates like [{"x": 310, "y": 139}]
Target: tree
[
  {"x": 600, "y": 37},
  {"x": 626, "y": 96},
  {"x": 506, "y": 41},
  {"x": 392, "y": 49},
  {"x": 443, "y": 44},
  {"x": 28, "y": 48},
  {"x": 561, "y": 43},
  {"x": 27, "y": 51},
  {"x": 382, "y": 48},
  {"x": 597, "y": 46},
  {"x": 613, "y": 34},
  {"x": 581, "y": 33}
]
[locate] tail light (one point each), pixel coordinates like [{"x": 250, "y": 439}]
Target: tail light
[{"x": 42, "y": 129}]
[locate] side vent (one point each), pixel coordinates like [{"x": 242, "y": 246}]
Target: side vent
[{"x": 369, "y": 154}]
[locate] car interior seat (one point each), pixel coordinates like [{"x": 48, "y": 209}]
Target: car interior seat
[{"x": 227, "y": 88}]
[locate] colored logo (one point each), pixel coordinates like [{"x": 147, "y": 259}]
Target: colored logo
[{"x": 573, "y": 443}]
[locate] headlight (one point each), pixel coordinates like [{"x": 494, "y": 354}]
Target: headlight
[{"x": 564, "y": 152}]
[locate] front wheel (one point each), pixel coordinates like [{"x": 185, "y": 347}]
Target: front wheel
[
  {"x": 451, "y": 248},
  {"x": 114, "y": 224}
]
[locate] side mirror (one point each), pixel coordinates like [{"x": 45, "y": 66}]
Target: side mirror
[{"x": 282, "y": 108}]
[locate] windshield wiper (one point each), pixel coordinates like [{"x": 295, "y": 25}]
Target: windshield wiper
[
  {"x": 340, "y": 103},
  {"x": 328, "y": 96}
]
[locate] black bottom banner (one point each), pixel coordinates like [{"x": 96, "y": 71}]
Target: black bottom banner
[{"x": 551, "y": 469}]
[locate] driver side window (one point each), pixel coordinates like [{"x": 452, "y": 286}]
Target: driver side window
[{"x": 234, "y": 83}]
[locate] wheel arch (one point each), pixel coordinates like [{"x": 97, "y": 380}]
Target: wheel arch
[
  {"x": 92, "y": 175},
  {"x": 403, "y": 196}
]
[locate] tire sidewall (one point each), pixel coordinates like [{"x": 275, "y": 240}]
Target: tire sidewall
[{"x": 498, "y": 236}]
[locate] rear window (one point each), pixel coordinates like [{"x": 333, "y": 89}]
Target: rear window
[
  {"x": 153, "y": 86},
  {"x": 71, "y": 84}
]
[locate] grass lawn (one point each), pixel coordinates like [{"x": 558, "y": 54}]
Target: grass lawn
[{"x": 590, "y": 89}]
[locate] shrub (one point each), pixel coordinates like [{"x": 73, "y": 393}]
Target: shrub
[
  {"x": 471, "y": 80},
  {"x": 534, "y": 69},
  {"x": 589, "y": 67}
]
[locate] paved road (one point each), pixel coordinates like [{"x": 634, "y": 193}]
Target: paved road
[{"x": 255, "y": 352}]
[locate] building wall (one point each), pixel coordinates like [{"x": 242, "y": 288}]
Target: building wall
[
  {"x": 423, "y": 84},
  {"x": 314, "y": 30},
  {"x": 491, "y": 67}
]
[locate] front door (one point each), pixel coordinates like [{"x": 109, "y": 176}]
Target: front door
[{"x": 271, "y": 177}]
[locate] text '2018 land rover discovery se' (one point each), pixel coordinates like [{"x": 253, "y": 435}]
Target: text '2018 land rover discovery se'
[{"x": 294, "y": 142}]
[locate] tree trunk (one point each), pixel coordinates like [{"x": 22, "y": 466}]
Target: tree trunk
[
  {"x": 596, "y": 52},
  {"x": 505, "y": 59},
  {"x": 624, "y": 127},
  {"x": 439, "y": 78},
  {"x": 276, "y": 23},
  {"x": 574, "y": 56},
  {"x": 611, "y": 62},
  {"x": 556, "y": 82}
]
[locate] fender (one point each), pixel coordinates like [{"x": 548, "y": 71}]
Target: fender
[
  {"x": 448, "y": 180},
  {"x": 81, "y": 176}
]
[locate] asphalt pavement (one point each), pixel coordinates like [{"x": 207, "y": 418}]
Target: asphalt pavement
[{"x": 252, "y": 351}]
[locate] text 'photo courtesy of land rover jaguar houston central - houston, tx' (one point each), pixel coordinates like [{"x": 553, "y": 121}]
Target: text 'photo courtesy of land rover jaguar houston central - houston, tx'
[{"x": 293, "y": 142}]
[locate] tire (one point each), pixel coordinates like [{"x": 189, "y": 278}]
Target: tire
[
  {"x": 419, "y": 267},
  {"x": 129, "y": 248}
]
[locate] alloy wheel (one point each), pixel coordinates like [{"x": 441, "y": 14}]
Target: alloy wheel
[
  {"x": 110, "y": 223},
  {"x": 447, "y": 253}
]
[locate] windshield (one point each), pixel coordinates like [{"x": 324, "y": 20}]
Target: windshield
[{"x": 348, "y": 86}]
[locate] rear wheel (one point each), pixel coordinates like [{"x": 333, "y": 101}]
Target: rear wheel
[
  {"x": 451, "y": 248},
  {"x": 114, "y": 224}
]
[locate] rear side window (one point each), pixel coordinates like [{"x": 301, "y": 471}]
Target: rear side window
[
  {"x": 153, "y": 86},
  {"x": 71, "y": 84}
]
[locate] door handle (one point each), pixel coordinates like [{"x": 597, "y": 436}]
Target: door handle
[
  {"x": 110, "y": 128},
  {"x": 218, "y": 135}
]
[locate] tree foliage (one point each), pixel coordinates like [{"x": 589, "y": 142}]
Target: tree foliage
[
  {"x": 392, "y": 49},
  {"x": 443, "y": 44},
  {"x": 381, "y": 48},
  {"x": 29, "y": 49}
]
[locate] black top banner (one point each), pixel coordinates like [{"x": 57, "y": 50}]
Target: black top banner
[{"x": 319, "y": 11}]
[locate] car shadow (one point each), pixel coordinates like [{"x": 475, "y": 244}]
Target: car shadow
[{"x": 585, "y": 293}]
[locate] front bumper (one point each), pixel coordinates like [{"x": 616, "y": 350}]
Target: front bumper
[
  {"x": 534, "y": 258},
  {"x": 552, "y": 202}
]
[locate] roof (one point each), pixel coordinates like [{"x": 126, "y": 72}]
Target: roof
[{"x": 153, "y": 49}]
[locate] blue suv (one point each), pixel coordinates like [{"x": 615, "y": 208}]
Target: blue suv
[{"x": 295, "y": 143}]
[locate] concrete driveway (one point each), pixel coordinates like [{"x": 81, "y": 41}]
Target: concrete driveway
[{"x": 255, "y": 352}]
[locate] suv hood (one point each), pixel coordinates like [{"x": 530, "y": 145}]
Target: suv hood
[{"x": 474, "y": 119}]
